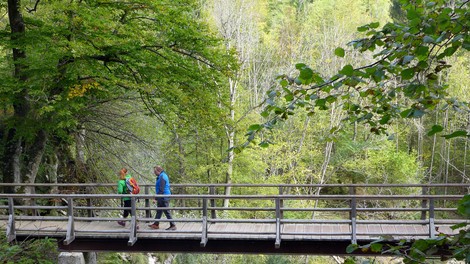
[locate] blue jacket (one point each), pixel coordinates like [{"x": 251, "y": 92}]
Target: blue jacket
[{"x": 162, "y": 185}]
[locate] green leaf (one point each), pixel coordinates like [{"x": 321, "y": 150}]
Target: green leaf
[
  {"x": 289, "y": 97},
  {"x": 407, "y": 74},
  {"x": 407, "y": 59},
  {"x": 349, "y": 260},
  {"x": 351, "y": 248},
  {"x": 428, "y": 39},
  {"x": 421, "y": 245},
  {"x": 376, "y": 247},
  {"x": 300, "y": 66},
  {"x": 450, "y": 50},
  {"x": 406, "y": 113},
  {"x": 460, "y": 133},
  {"x": 422, "y": 51},
  {"x": 320, "y": 103},
  {"x": 339, "y": 52},
  {"x": 435, "y": 129},
  {"x": 330, "y": 99},
  {"x": 457, "y": 226},
  {"x": 264, "y": 144},
  {"x": 347, "y": 70},
  {"x": 374, "y": 25},
  {"x": 418, "y": 113},
  {"x": 384, "y": 120},
  {"x": 255, "y": 127},
  {"x": 284, "y": 83},
  {"x": 464, "y": 206},
  {"x": 362, "y": 28},
  {"x": 412, "y": 14},
  {"x": 306, "y": 75},
  {"x": 431, "y": 251}
]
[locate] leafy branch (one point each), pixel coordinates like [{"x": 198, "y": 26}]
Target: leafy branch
[
  {"x": 416, "y": 252},
  {"x": 412, "y": 54}
]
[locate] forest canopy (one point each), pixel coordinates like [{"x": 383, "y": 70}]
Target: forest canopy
[
  {"x": 217, "y": 91},
  {"x": 92, "y": 86}
]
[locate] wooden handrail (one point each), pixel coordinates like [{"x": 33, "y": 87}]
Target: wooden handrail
[
  {"x": 274, "y": 211},
  {"x": 215, "y": 185}
]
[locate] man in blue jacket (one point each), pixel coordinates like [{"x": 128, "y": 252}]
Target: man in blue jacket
[{"x": 162, "y": 186}]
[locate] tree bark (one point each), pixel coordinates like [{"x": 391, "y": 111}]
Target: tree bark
[
  {"x": 231, "y": 140},
  {"x": 13, "y": 145},
  {"x": 36, "y": 153}
]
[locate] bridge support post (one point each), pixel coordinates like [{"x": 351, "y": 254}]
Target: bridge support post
[
  {"x": 281, "y": 202},
  {"x": 90, "y": 257},
  {"x": 353, "y": 215},
  {"x": 204, "y": 223},
  {"x": 32, "y": 202},
  {"x": 70, "y": 225},
  {"x": 11, "y": 230},
  {"x": 133, "y": 232},
  {"x": 424, "y": 202},
  {"x": 212, "y": 192},
  {"x": 71, "y": 258},
  {"x": 277, "y": 243},
  {"x": 432, "y": 228},
  {"x": 148, "y": 214},
  {"x": 89, "y": 203}
]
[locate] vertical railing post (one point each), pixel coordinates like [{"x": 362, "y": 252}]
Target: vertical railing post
[
  {"x": 353, "y": 214},
  {"x": 148, "y": 213},
  {"x": 133, "y": 226},
  {"x": 11, "y": 230},
  {"x": 204, "y": 223},
  {"x": 432, "y": 228},
  {"x": 212, "y": 202},
  {"x": 70, "y": 225},
  {"x": 89, "y": 202},
  {"x": 277, "y": 243},
  {"x": 33, "y": 202},
  {"x": 424, "y": 202},
  {"x": 281, "y": 202}
]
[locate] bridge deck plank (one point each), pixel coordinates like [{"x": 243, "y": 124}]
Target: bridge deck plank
[
  {"x": 326, "y": 229},
  {"x": 257, "y": 231}
]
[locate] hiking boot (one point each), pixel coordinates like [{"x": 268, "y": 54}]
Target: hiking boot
[
  {"x": 121, "y": 223},
  {"x": 154, "y": 226},
  {"x": 172, "y": 227}
]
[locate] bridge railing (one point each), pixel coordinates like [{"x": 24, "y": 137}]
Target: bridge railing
[{"x": 205, "y": 209}]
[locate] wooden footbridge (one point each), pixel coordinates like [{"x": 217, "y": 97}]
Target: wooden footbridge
[{"x": 276, "y": 219}]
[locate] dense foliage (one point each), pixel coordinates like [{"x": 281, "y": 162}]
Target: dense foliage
[
  {"x": 369, "y": 92},
  {"x": 42, "y": 251},
  {"x": 404, "y": 81},
  {"x": 71, "y": 70},
  {"x": 457, "y": 245}
]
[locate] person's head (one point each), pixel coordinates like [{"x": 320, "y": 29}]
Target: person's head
[
  {"x": 157, "y": 170},
  {"x": 123, "y": 173}
]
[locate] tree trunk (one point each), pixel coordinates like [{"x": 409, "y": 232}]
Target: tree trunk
[
  {"x": 231, "y": 140},
  {"x": 13, "y": 145},
  {"x": 334, "y": 119},
  {"x": 36, "y": 153}
]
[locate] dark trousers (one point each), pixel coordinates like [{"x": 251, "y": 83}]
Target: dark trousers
[
  {"x": 127, "y": 212},
  {"x": 163, "y": 203}
]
